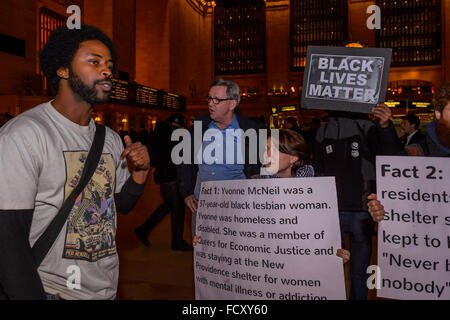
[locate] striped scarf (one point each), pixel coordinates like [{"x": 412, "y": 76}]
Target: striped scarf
[{"x": 303, "y": 172}]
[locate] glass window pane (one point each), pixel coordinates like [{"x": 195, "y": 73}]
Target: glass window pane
[
  {"x": 239, "y": 37},
  {"x": 413, "y": 30},
  {"x": 309, "y": 27}
]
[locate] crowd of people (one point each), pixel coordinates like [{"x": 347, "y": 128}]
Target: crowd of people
[{"x": 46, "y": 153}]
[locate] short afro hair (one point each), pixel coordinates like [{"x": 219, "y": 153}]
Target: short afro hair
[{"x": 62, "y": 46}]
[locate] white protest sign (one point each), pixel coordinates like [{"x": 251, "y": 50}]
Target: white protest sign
[
  {"x": 268, "y": 239},
  {"x": 414, "y": 237}
]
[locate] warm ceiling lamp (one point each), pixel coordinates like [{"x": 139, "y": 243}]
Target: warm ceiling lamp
[
  {"x": 204, "y": 6},
  {"x": 354, "y": 45},
  {"x": 206, "y": 3}
]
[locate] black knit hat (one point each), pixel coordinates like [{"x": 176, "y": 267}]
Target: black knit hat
[{"x": 178, "y": 119}]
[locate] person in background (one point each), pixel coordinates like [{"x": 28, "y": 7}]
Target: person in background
[
  {"x": 437, "y": 139},
  {"x": 223, "y": 99},
  {"x": 165, "y": 175},
  {"x": 291, "y": 124},
  {"x": 410, "y": 126},
  {"x": 310, "y": 134},
  {"x": 143, "y": 136},
  {"x": 345, "y": 148}
]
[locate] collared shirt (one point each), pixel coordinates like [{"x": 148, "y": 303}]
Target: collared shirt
[
  {"x": 409, "y": 138},
  {"x": 222, "y": 157}
]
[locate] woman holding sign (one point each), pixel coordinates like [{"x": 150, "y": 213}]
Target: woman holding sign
[
  {"x": 293, "y": 160},
  {"x": 290, "y": 158}
]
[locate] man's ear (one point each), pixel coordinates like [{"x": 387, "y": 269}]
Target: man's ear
[
  {"x": 437, "y": 114},
  {"x": 63, "y": 73},
  {"x": 233, "y": 105}
]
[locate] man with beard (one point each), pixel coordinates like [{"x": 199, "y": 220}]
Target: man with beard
[
  {"x": 437, "y": 140},
  {"x": 42, "y": 153}
]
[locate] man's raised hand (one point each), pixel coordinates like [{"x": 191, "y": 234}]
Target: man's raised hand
[
  {"x": 137, "y": 155},
  {"x": 383, "y": 113}
]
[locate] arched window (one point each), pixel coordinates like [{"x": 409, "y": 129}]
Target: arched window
[
  {"x": 319, "y": 22},
  {"x": 48, "y": 22},
  {"x": 412, "y": 28},
  {"x": 239, "y": 37}
]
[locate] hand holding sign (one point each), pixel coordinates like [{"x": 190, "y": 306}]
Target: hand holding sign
[
  {"x": 376, "y": 209},
  {"x": 383, "y": 113},
  {"x": 344, "y": 254},
  {"x": 191, "y": 203}
]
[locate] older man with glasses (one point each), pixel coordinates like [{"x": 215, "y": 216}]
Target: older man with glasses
[{"x": 223, "y": 99}]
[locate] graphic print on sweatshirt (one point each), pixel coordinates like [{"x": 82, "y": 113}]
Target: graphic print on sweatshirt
[{"x": 91, "y": 227}]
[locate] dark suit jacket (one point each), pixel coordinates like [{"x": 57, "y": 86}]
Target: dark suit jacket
[
  {"x": 187, "y": 173},
  {"x": 416, "y": 138}
]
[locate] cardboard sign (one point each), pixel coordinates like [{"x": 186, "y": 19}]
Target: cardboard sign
[
  {"x": 345, "y": 79},
  {"x": 414, "y": 237},
  {"x": 268, "y": 239}
]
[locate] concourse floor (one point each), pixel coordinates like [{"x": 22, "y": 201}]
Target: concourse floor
[{"x": 156, "y": 272}]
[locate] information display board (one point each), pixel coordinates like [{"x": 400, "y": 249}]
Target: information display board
[{"x": 131, "y": 93}]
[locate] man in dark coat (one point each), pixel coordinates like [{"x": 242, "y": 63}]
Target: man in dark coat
[
  {"x": 165, "y": 175},
  {"x": 410, "y": 125},
  {"x": 437, "y": 141},
  {"x": 346, "y": 147}
]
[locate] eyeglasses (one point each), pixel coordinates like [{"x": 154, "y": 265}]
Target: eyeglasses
[{"x": 216, "y": 100}]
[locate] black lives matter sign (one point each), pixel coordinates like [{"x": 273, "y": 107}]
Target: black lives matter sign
[{"x": 346, "y": 79}]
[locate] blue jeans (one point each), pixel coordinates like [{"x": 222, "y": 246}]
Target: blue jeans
[{"x": 359, "y": 225}]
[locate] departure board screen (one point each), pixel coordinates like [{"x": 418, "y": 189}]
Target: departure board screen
[
  {"x": 131, "y": 93},
  {"x": 147, "y": 96},
  {"x": 396, "y": 104},
  {"x": 172, "y": 101},
  {"x": 122, "y": 92},
  {"x": 419, "y": 105}
]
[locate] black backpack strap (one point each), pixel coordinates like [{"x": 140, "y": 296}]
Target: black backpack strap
[{"x": 46, "y": 240}]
